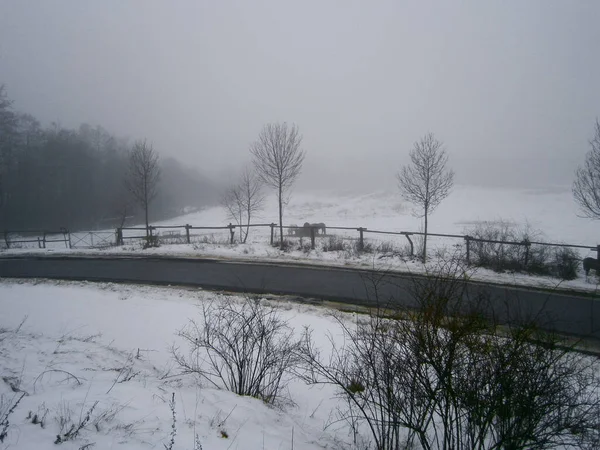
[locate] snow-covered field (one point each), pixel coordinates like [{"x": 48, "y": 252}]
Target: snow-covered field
[
  {"x": 104, "y": 349},
  {"x": 86, "y": 343},
  {"x": 550, "y": 211}
]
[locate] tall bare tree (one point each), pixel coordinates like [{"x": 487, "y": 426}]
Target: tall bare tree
[
  {"x": 143, "y": 175},
  {"x": 243, "y": 200},
  {"x": 8, "y": 129},
  {"x": 278, "y": 161},
  {"x": 426, "y": 181},
  {"x": 586, "y": 187}
]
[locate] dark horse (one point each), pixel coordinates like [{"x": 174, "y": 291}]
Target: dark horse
[
  {"x": 319, "y": 228},
  {"x": 591, "y": 263},
  {"x": 304, "y": 230}
]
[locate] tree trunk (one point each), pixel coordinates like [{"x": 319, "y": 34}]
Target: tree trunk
[
  {"x": 247, "y": 223},
  {"x": 147, "y": 224},
  {"x": 146, "y": 205},
  {"x": 425, "y": 239},
  {"x": 280, "y": 219}
]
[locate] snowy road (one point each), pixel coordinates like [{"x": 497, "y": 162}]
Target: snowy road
[{"x": 565, "y": 312}]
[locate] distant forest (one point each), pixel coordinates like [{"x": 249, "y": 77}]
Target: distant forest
[{"x": 55, "y": 177}]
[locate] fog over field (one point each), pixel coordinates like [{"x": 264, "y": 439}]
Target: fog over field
[{"x": 510, "y": 88}]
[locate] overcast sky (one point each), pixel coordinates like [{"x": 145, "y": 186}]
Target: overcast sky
[{"x": 511, "y": 87}]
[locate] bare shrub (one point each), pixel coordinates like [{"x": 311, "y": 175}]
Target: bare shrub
[
  {"x": 173, "y": 432},
  {"x": 333, "y": 244},
  {"x": 444, "y": 375},
  {"x": 69, "y": 429},
  {"x": 38, "y": 417},
  {"x": 286, "y": 246},
  {"x": 242, "y": 346},
  {"x": 199, "y": 241},
  {"x": 151, "y": 241},
  {"x": 171, "y": 240},
  {"x": 354, "y": 249},
  {"x": 518, "y": 254},
  {"x": 566, "y": 263},
  {"x": 7, "y": 407}
]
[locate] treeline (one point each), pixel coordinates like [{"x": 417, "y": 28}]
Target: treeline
[{"x": 56, "y": 177}]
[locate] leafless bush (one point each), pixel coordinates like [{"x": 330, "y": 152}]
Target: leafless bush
[
  {"x": 242, "y": 346},
  {"x": 173, "y": 240},
  {"x": 209, "y": 239},
  {"x": 333, "y": 244},
  {"x": 443, "y": 375},
  {"x": 7, "y": 407},
  {"x": 151, "y": 241},
  {"x": 522, "y": 256},
  {"x": 566, "y": 263},
  {"x": 69, "y": 430},
  {"x": 93, "y": 417},
  {"x": 173, "y": 432},
  {"x": 287, "y": 246},
  {"x": 304, "y": 246},
  {"x": 38, "y": 417}
]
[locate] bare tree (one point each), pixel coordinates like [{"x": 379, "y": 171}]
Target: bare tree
[
  {"x": 586, "y": 188},
  {"x": 143, "y": 175},
  {"x": 243, "y": 200},
  {"x": 426, "y": 181},
  {"x": 278, "y": 161}
]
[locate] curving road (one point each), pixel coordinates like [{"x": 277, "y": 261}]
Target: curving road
[{"x": 571, "y": 313}]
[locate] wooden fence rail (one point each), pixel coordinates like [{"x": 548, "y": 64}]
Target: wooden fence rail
[
  {"x": 42, "y": 237},
  {"x": 41, "y": 241}
]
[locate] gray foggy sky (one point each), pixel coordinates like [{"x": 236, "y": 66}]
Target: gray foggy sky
[{"x": 511, "y": 87}]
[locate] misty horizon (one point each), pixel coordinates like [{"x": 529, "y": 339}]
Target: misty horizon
[{"x": 508, "y": 87}]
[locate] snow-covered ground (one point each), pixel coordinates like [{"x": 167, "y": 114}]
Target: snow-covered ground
[
  {"x": 85, "y": 343},
  {"x": 552, "y": 211}
]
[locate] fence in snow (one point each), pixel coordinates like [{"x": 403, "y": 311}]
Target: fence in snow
[{"x": 189, "y": 234}]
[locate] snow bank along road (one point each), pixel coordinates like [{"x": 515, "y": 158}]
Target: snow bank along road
[{"x": 565, "y": 312}]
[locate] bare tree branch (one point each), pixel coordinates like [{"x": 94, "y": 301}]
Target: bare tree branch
[
  {"x": 426, "y": 181},
  {"x": 278, "y": 161},
  {"x": 586, "y": 187}
]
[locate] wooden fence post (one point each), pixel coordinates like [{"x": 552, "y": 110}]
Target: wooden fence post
[
  {"x": 231, "y": 232},
  {"x": 312, "y": 237},
  {"x": 187, "y": 232},
  {"x": 44, "y": 240},
  {"x": 412, "y": 246},
  {"x": 7, "y": 241},
  {"x": 361, "y": 240},
  {"x": 272, "y": 231},
  {"x": 468, "y": 242}
]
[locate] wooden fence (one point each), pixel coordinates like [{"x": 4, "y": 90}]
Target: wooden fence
[
  {"x": 39, "y": 237},
  {"x": 186, "y": 233}
]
